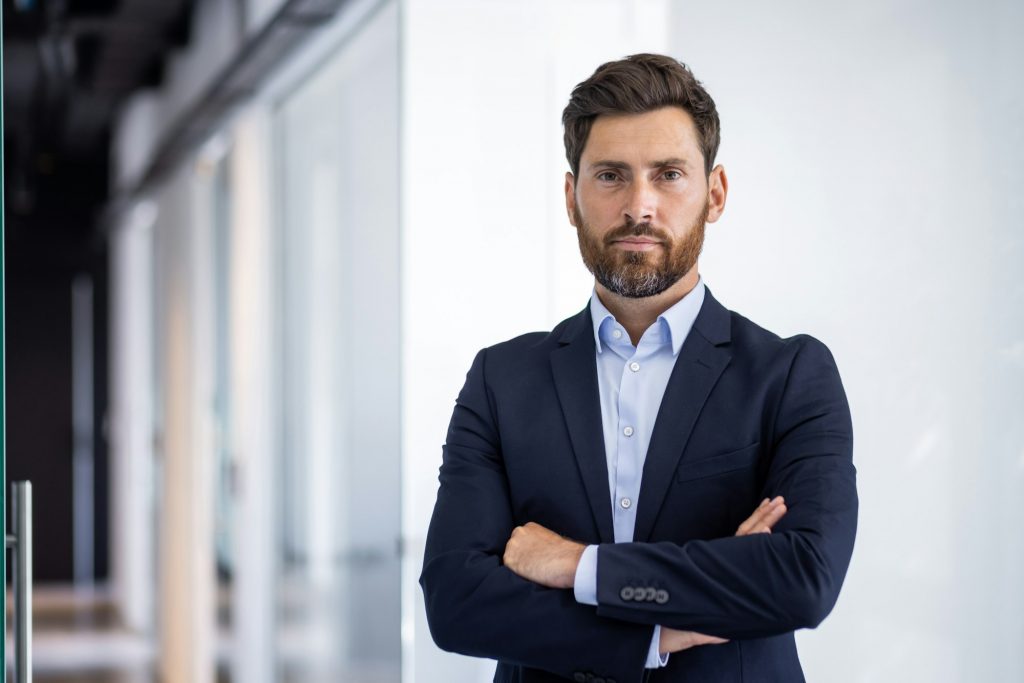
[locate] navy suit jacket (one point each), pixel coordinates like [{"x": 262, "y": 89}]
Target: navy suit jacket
[{"x": 746, "y": 415}]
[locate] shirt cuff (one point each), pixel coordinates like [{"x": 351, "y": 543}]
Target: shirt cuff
[
  {"x": 585, "y": 585},
  {"x": 585, "y": 590},
  {"x": 656, "y": 660}
]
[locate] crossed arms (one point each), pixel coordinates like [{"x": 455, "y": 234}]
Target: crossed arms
[
  {"x": 540, "y": 555},
  {"x": 483, "y": 598}
]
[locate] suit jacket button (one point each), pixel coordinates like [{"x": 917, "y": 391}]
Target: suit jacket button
[
  {"x": 579, "y": 677},
  {"x": 626, "y": 593},
  {"x": 651, "y": 593},
  {"x": 639, "y": 594},
  {"x": 661, "y": 597}
]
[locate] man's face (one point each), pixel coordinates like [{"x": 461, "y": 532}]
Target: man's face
[{"x": 641, "y": 201}]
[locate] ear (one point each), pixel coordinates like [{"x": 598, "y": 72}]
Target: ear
[
  {"x": 718, "y": 188},
  {"x": 570, "y": 197}
]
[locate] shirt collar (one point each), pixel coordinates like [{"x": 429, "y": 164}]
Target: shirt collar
[{"x": 679, "y": 318}]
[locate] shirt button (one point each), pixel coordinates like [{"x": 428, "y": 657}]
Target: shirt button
[
  {"x": 634, "y": 366},
  {"x": 628, "y": 431},
  {"x": 617, "y": 334},
  {"x": 626, "y": 503}
]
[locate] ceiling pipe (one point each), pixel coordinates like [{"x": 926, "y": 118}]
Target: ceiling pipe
[{"x": 238, "y": 81}]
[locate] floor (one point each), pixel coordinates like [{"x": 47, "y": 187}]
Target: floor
[{"x": 77, "y": 639}]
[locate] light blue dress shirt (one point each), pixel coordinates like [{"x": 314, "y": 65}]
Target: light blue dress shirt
[{"x": 632, "y": 381}]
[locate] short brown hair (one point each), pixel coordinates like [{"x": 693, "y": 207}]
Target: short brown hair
[{"x": 636, "y": 85}]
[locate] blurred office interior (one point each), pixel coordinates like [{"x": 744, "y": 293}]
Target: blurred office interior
[{"x": 253, "y": 245}]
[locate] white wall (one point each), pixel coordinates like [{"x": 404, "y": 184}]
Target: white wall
[{"x": 874, "y": 154}]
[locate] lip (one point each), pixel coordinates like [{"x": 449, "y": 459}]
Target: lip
[{"x": 636, "y": 244}]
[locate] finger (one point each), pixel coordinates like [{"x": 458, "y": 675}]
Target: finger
[
  {"x": 508, "y": 556},
  {"x": 688, "y": 639},
  {"x": 755, "y": 523},
  {"x": 769, "y": 520},
  {"x": 772, "y": 518},
  {"x": 755, "y": 520},
  {"x": 750, "y": 521},
  {"x": 709, "y": 640}
]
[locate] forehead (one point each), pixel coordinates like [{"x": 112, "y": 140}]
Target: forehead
[{"x": 663, "y": 133}]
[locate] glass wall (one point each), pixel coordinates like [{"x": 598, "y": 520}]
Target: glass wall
[{"x": 338, "y": 588}]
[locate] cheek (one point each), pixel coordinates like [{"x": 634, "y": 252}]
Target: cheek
[
  {"x": 599, "y": 214},
  {"x": 683, "y": 211},
  {"x": 687, "y": 199}
]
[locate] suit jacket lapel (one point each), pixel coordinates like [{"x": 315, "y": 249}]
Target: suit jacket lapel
[
  {"x": 575, "y": 371},
  {"x": 702, "y": 359}
]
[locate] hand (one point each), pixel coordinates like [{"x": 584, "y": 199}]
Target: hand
[
  {"x": 540, "y": 555},
  {"x": 761, "y": 522},
  {"x": 677, "y": 641},
  {"x": 764, "y": 518}
]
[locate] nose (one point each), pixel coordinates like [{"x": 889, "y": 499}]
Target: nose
[{"x": 641, "y": 202}]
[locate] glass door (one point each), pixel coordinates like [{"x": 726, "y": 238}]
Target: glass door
[{"x": 338, "y": 602}]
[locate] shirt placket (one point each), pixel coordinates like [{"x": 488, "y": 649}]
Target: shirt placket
[{"x": 628, "y": 462}]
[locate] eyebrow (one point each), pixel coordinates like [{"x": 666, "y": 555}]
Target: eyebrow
[
  {"x": 622, "y": 165},
  {"x": 674, "y": 161}
]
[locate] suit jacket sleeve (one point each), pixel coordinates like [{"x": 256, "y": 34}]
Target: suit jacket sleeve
[
  {"x": 476, "y": 606},
  {"x": 765, "y": 584}
]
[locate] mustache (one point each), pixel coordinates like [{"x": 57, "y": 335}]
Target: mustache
[{"x": 636, "y": 230}]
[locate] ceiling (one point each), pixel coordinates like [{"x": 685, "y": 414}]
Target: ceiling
[{"x": 68, "y": 65}]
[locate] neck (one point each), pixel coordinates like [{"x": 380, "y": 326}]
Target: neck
[{"x": 636, "y": 315}]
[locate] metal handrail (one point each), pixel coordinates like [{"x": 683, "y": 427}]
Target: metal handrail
[{"x": 20, "y": 544}]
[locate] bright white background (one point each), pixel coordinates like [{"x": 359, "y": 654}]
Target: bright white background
[{"x": 875, "y": 156}]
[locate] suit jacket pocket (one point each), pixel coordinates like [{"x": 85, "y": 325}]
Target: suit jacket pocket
[{"x": 719, "y": 464}]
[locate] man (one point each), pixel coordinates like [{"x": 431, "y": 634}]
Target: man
[{"x": 592, "y": 518}]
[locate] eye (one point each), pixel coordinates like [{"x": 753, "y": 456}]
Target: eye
[
  {"x": 672, "y": 175},
  {"x": 607, "y": 176}
]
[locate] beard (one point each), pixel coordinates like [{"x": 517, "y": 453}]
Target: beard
[{"x": 640, "y": 274}]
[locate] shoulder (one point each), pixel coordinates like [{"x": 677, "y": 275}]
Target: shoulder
[
  {"x": 748, "y": 334},
  {"x": 800, "y": 364},
  {"x": 529, "y": 353},
  {"x": 542, "y": 343},
  {"x": 760, "y": 353},
  {"x": 799, "y": 372},
  {"x": 720, "y": 326}
]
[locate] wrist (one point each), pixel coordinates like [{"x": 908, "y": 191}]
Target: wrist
[{"x": 573, "y": 554}]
